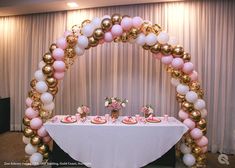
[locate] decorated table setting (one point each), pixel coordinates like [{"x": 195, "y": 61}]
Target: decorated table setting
[{"x": 112, "y": 140}]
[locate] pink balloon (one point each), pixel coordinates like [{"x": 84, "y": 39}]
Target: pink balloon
[
  {"x": 61, "y": 43},
  {"x": 183, "y": 115},
  {"x": 116, "y": 30},
  {"x": 137, "y": 21},
  {"x": 36, "y": 123},
  {"x": 167, "y": 59},
  {"x": 42, "y": 132},
  {"x": 177, "y": 63},
  {"x": 108, "y": 37},
  {"x": 28, "y": 101},
  {"x": 126, "y": 23},
  {"x": 196, "y": 133},
  {"x": 59, "y": 66},
  {"x": 30, "y": 113},
  {"x": 188, "y": 67},
  {"x": 202, "y": 141},
  {"x": 66, "y": 33},
  {"x": 204, "y": 149},
  {"x": 58, "y": 54},
  {"x": 59, "y": 75},
  {"x": 46, "y": 139},
  {"x": 189, "y": 123},
  {"x": 194, "y": 76},
  {"x": 157, "y": 56}
]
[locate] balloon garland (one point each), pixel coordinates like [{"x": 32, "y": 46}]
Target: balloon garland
[{"x": 117, "y": 28}]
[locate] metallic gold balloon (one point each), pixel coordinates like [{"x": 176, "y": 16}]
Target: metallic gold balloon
[
  {"x": 71, "y": 40},
  {"x": 98, "y": 34},
  {"x": 28, "y": 132},
  {"x": 85, "y": 22},
  {"x": 43, "y": 148},
  {"x": 178, "y": 51},
  {"x": 156, "y": 28},
  {"x": 166, "y": 49},
  {"x": 35, "y": 140},
  {"x": 33, "y": 83},
  {"x": 200, "y": 93},
  {"x": 48, "y": 70},
  {"x": 176, "y": 73},
  {"x": 26, "y": 121},
  {"x": 36, "y": 105},
  {"x": 53, "y": 90},
  {"x": 189, "y": 140},
  {"x": 202, "y": 123},
  {"x": 70, "y": 52},
  {"x": 197, "y": 150},
  {"x": 156, "y": 48},
  {"x": 116, "y": 18},
  {"x": 44, "y": 114},
  {"x": 46, "y": 155},
  {"x": 36, "y": 96},
  {"x": 185, "y": 79},
  {"x": 169, "y": 69},
  {"x": 133, "y": 33},
  {"x": 194, "y": 86},
  {"x": 146, "y": 28},
  {"x": 48, "y": 59},
  {"x": 195, "y": 115},
  {"x": 146, "y": 47},
  {"x": 51, "y": 82},
  {"x": 201, "y": 158},
  {"x": 186, "y": 106},
  {"x": 106, "y": 24},
  {"x": 180, "y": 98},
  {"x": 93, "y": 42},
  {"x": 204, "y": 131},
  {"x": 52, "y": 47},
  {"x": 186, "y": 57},
  {"x": 124, "y": 37}
]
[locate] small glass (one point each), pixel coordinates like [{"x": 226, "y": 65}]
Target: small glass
[{"x": 165, "y": 118}]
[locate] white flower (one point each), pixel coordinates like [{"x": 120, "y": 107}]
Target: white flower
[
  {"x": 150, "y": 110},
  {"x": 106, "y": 103},
  {"x": 113, "y": 100},
  {"x": 126, "y": 100},
  {"x": 123, "y": 105},
  {"x": 79, "y": 110}
]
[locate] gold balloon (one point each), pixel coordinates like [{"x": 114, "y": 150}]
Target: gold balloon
[
  {"x": 156, "y": 48},
  {"x": 178, "y": 51},
  {"x": 201, "y": 158},
  {"x": 194, "y": 86},
  {"x": 52, "y": 47},
  {"x": 45, "y": 114},
  {"x": 116, "y": 18},
  {"x": 166, "y": 49},
  {"x": 189, "y": 140},
  {"x": 53, "y": 90},
  {"x": 48, "y": 70},
  {"x": 28, "y": 132},
  {"x": 106, "y": 24},
  {"x": 202, "y": 123},
  {"x": 36, "y": 105},
  {"x": 85, "y": 22},
  {"x": 169, "y": 69},
  {"x": 35, "y": 140},
  {"x": 98, "y": 34},
  {"x": 200, "y": 93},
  {"x": 204, "y": 131},
  {"x": 43, "y": 148},
  {"x": 93, "y": 42},
  {"x": 195, "y": 115},
  {"x": 146, "y": 28},
  {"x": 26, "y": 121},
  {"x": 33, "y": 83},
  {"x": 180, "y": 98},
  {"x": 51, "y": 82},
  {"x": 133, "y": 33},
  {"x": 124, "y": 37},
  {"x": 197, "y": 150},
  {"x": 70, "y": 52},
  {"x": 36, "y": 96},
  {"x": 186, "y": 57},
  {"x": 186, "y": 106},
  {"x": 156, "y": 28},
  {"x": 46, "y": 155},
  {"x": 185, "y": 79},
  {"x": 48, "y": 59},
  {"x": 176, "y": 73},
  {"x": 71, "y": 40},
  {"x": 146, "y": 47}
]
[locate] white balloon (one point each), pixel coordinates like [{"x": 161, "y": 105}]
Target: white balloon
[
  {"x": 96, "y": 22},
  {"x": 182, "y": 89},
  {"x": 82, "y": 42},
  {"x": 88, "y": 29},
  {"x": 204, "y": 113},
  {"x": 191, "y": 96},
  {"x": 39, "y": 76},
  {"x": 175, "y": 82},
  {"x": 49, "y": 107},
  {"x": 173, "y": 41},
  {"x": 41, "y": 64},
  {"x": 185, "y": 149},
  {"x": 36, "y": 159},
  {"x": 189, "y": 159},
  {"x": 199, "y": 104},
  {"x": 26, "y": 140},
  {"x": 46, "y": 98},
  {"x": 30, "y": 149},
  {"x": 141, "y": 39},
  {"x": 79, "y": 51},
  {"x": 41, "y": 87},
  {"x": 151, "y": 39},
  {"x": 163, "y": 37}
]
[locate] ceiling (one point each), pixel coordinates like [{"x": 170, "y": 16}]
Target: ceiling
[{"x": 20, "y": 7}]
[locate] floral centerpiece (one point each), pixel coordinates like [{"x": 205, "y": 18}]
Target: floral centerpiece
[
  {"x": 115, "y": 104},
  {"x": 83, "y": 111},
  {"x": 147, "y": 110}
]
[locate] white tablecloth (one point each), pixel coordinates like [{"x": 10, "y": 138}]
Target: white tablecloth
[{"x": 116, "y": 145}]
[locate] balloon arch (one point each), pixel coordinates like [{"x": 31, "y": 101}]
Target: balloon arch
[{"x": 117, "y": 28}]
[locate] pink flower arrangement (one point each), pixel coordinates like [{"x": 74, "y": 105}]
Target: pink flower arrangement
[
  {"x": 148, "y": 109},
  {"x": 83, "y": 109},
  {"x": 115, "y": 103}
]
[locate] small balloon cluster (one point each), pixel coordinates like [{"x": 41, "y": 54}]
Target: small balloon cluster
[{"x": 117, "y": 28}]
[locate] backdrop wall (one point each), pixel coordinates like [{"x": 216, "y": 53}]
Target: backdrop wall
[{"x": 204, "y": 28}]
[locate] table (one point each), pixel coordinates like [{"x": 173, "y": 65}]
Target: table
[{"x": 116, "y": 145}]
